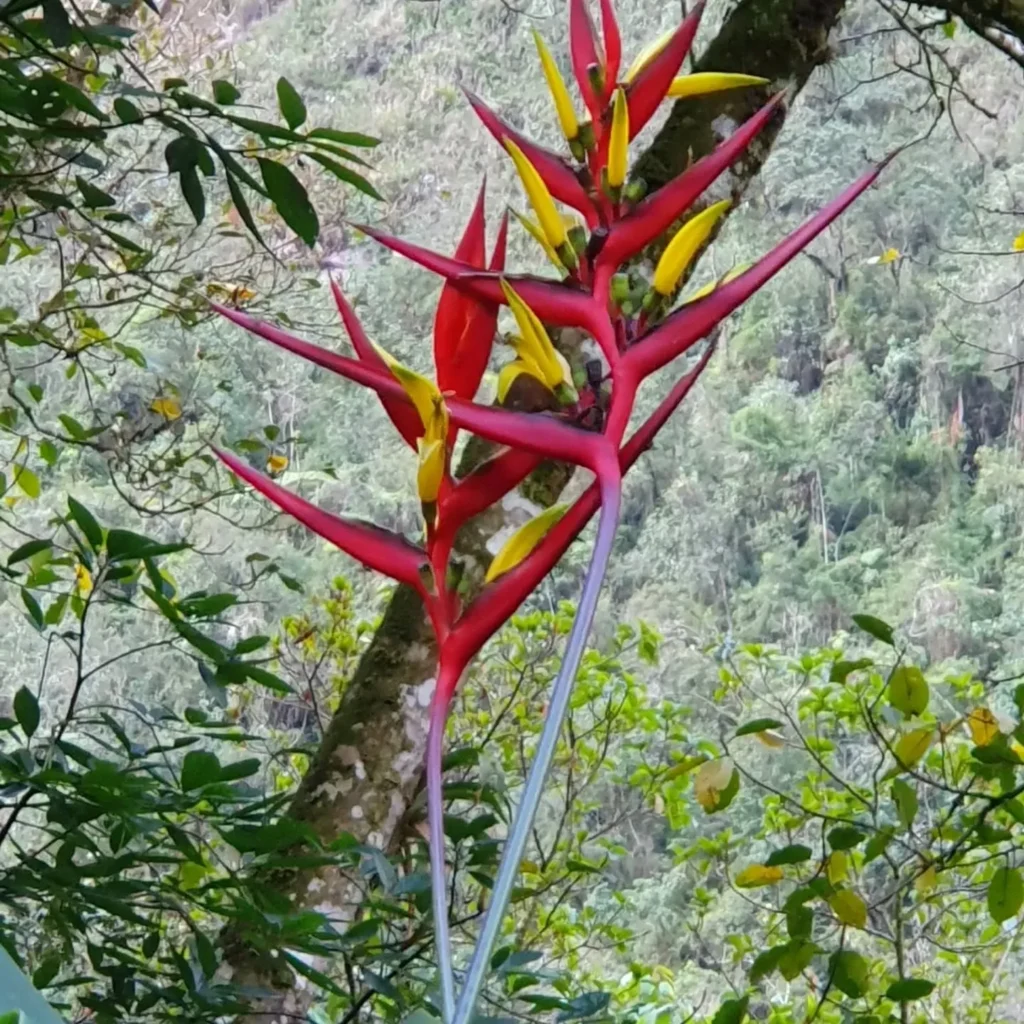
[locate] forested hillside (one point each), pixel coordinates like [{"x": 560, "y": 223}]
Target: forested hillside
[{"x": 187, "y": 827}]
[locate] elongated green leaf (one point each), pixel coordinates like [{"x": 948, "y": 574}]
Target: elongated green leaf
[
  {"x": 293, "y": 110},
  {"x": 347, "y": 175},
  {"x": 94, "y": 197},
  {"x": 26, "y": 711},
  {"x": 1005, "y": 894},
  {"x": 906, "y": 990},
  {"x": 86, "y": 523},
  {"x": 345, "y": 138},
  {"x": 876, "y": 627},
  {"x": 290, "y": 200}
]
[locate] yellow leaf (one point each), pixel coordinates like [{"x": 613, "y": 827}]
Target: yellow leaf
[
  {"x": 771, "y": 738},
  {"x": 236, "y": 293},
  {"x": 757, "y": 875},
  {"x": 166, "y": 407},
  {"x": 849, "y": 908},
  {"x": 889, "y": 256},
  {"x": 523, "y": 541},
  {"x": 912, "y": 746},
  {"x": 646, "y": 55},
  {"x": 711, "y": 781},
  {"x": 838, "y": 867},
  {"x": 277, "y": 464},
  {"x": 559, "y": 93},
  {"x": 927, "y": 880},
  {"x": 540, "y": 199},
  {"x": 618, "y": 141},
  {"x": 687, "y": 240},
  {"x": 83, "y": 580},
  {"x": 1018, "y": 243},
  {"x": 710, "y": 81},
  {"x": 983, "y": 725}
]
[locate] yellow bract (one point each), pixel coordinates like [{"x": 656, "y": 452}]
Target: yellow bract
[
  {"x": 680, "y": 251},
  {"x": 432, "y": 447},
  {"x": 277, "y": 463},
  {"x": 618, "y": 142},
  {"x": 559, "y": 93},
  {"x": 646, "y": 55},
  {"x": 710, "y": 81},
  {"x": 758, "y": 874},
  {"x": 983, "y": 725},
  {"x": 536, "y": 233},
  {"x": 540, "y": 198},
  {"x": 849, "y": 908},
  {"x": 535, "y": 351},
  {"x": 704, "y": 291},
  {"x": 166, "y": 407},
  {"x": 523, "y": 541}
]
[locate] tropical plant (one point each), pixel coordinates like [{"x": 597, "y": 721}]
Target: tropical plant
[{"x": 579, "y": 421}]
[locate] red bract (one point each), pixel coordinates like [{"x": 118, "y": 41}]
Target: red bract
[{"x": 582, "y": 423}]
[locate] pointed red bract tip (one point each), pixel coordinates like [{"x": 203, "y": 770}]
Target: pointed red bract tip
[
  {"x": 463, "y": 325},
  {"x": 558, "y": 174},
  {"x": 402, "y": 415},
  {"x": 585, "y": 52},
  {"x": 378, "y": 549},
  {"x": 500, "y": 245},
  {"x": 688, "y": 325},
  {"x": 650, "y": 87},
  {"x": 612, "y": 47}
]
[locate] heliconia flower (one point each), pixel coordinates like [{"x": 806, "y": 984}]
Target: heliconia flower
[
  {"x": 404, "y": 418},
  {"x": 523, "y": 541},
  {"x": 679, "y": 253},
  {"x": 543, "y": 205},
  {"x": 559, "y": 93},
  {"x": 424, "y": 395},
  {"x": 710, "y": 81},
  {"x": 706, "y": 290},
  {"x": 558, "y": 173},
  {"x": 430, "y": 472},
  {"x": 618, "y": 142},
  {"x": 533, "y": 229},
  {"x": 646, "y": 55},
  {"x": 587, "y": 58},
  {"x": 538, "y": 355}
]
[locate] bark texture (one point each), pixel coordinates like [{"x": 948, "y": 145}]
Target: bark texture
[{"x": 367, "y": 771}]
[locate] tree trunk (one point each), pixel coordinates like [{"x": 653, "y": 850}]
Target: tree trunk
[{"x": 368, "y": 768}]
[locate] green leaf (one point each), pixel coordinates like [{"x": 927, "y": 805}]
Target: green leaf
[
  {"x": 127, "y": 111},
  {"x": 849, "y": 971},
  {"x": 345, "y": 138},
  {"x": 58, "y": 27},
  {"x": 199, "y": 768},
  {"x": 86, "y": 523},
  {"x": 26, "y": 711},
  {"x": 876, "y": 627},
  {"x": 346, "y": 174},
  {"x": 905, "y": 797},
  {"x": 765, "y": 963},
  {"x": 123, "y": 544},
  {"x": 845, "y": 837},
  {"x": 290, "y": 200},
  {"x": 587, "y": 1005},
  {"x": 758, "y": 725},
  {"x": 949, "y": 28},
  {"x": 908, "y": 690},
  {"x": 27, "y": 481},
  {"x": 293, "y": 110},
  {"x": 732, "y": 1011},
  {"x": 876, "y": 845},
  {"x": 797, "y": 957},
  {"x": 239, "y": 769},
  {"x": 50, "y": 200},
  {"x": 27, "y": 550},
  {"x": 48, "y": 452},
  {"x": 278, "y": 835},
  {"x": 32, "y": 607},
  {"x": 94, "y": 197},
  {"x": 225, "y": 93},
  {"x": 842, "y": 669},
  {"x": 1005, "y": 894},
  {"x": 46, "y": 971},
  {"x": 906, "y": 990},
  {"x": 238, "y": 198},
  {"x": 794, "y": 854},
  {"x": 192, "y": 190}
]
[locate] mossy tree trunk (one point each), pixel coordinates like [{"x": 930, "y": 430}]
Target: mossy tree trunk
[{"x": 367, "y": 771}]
